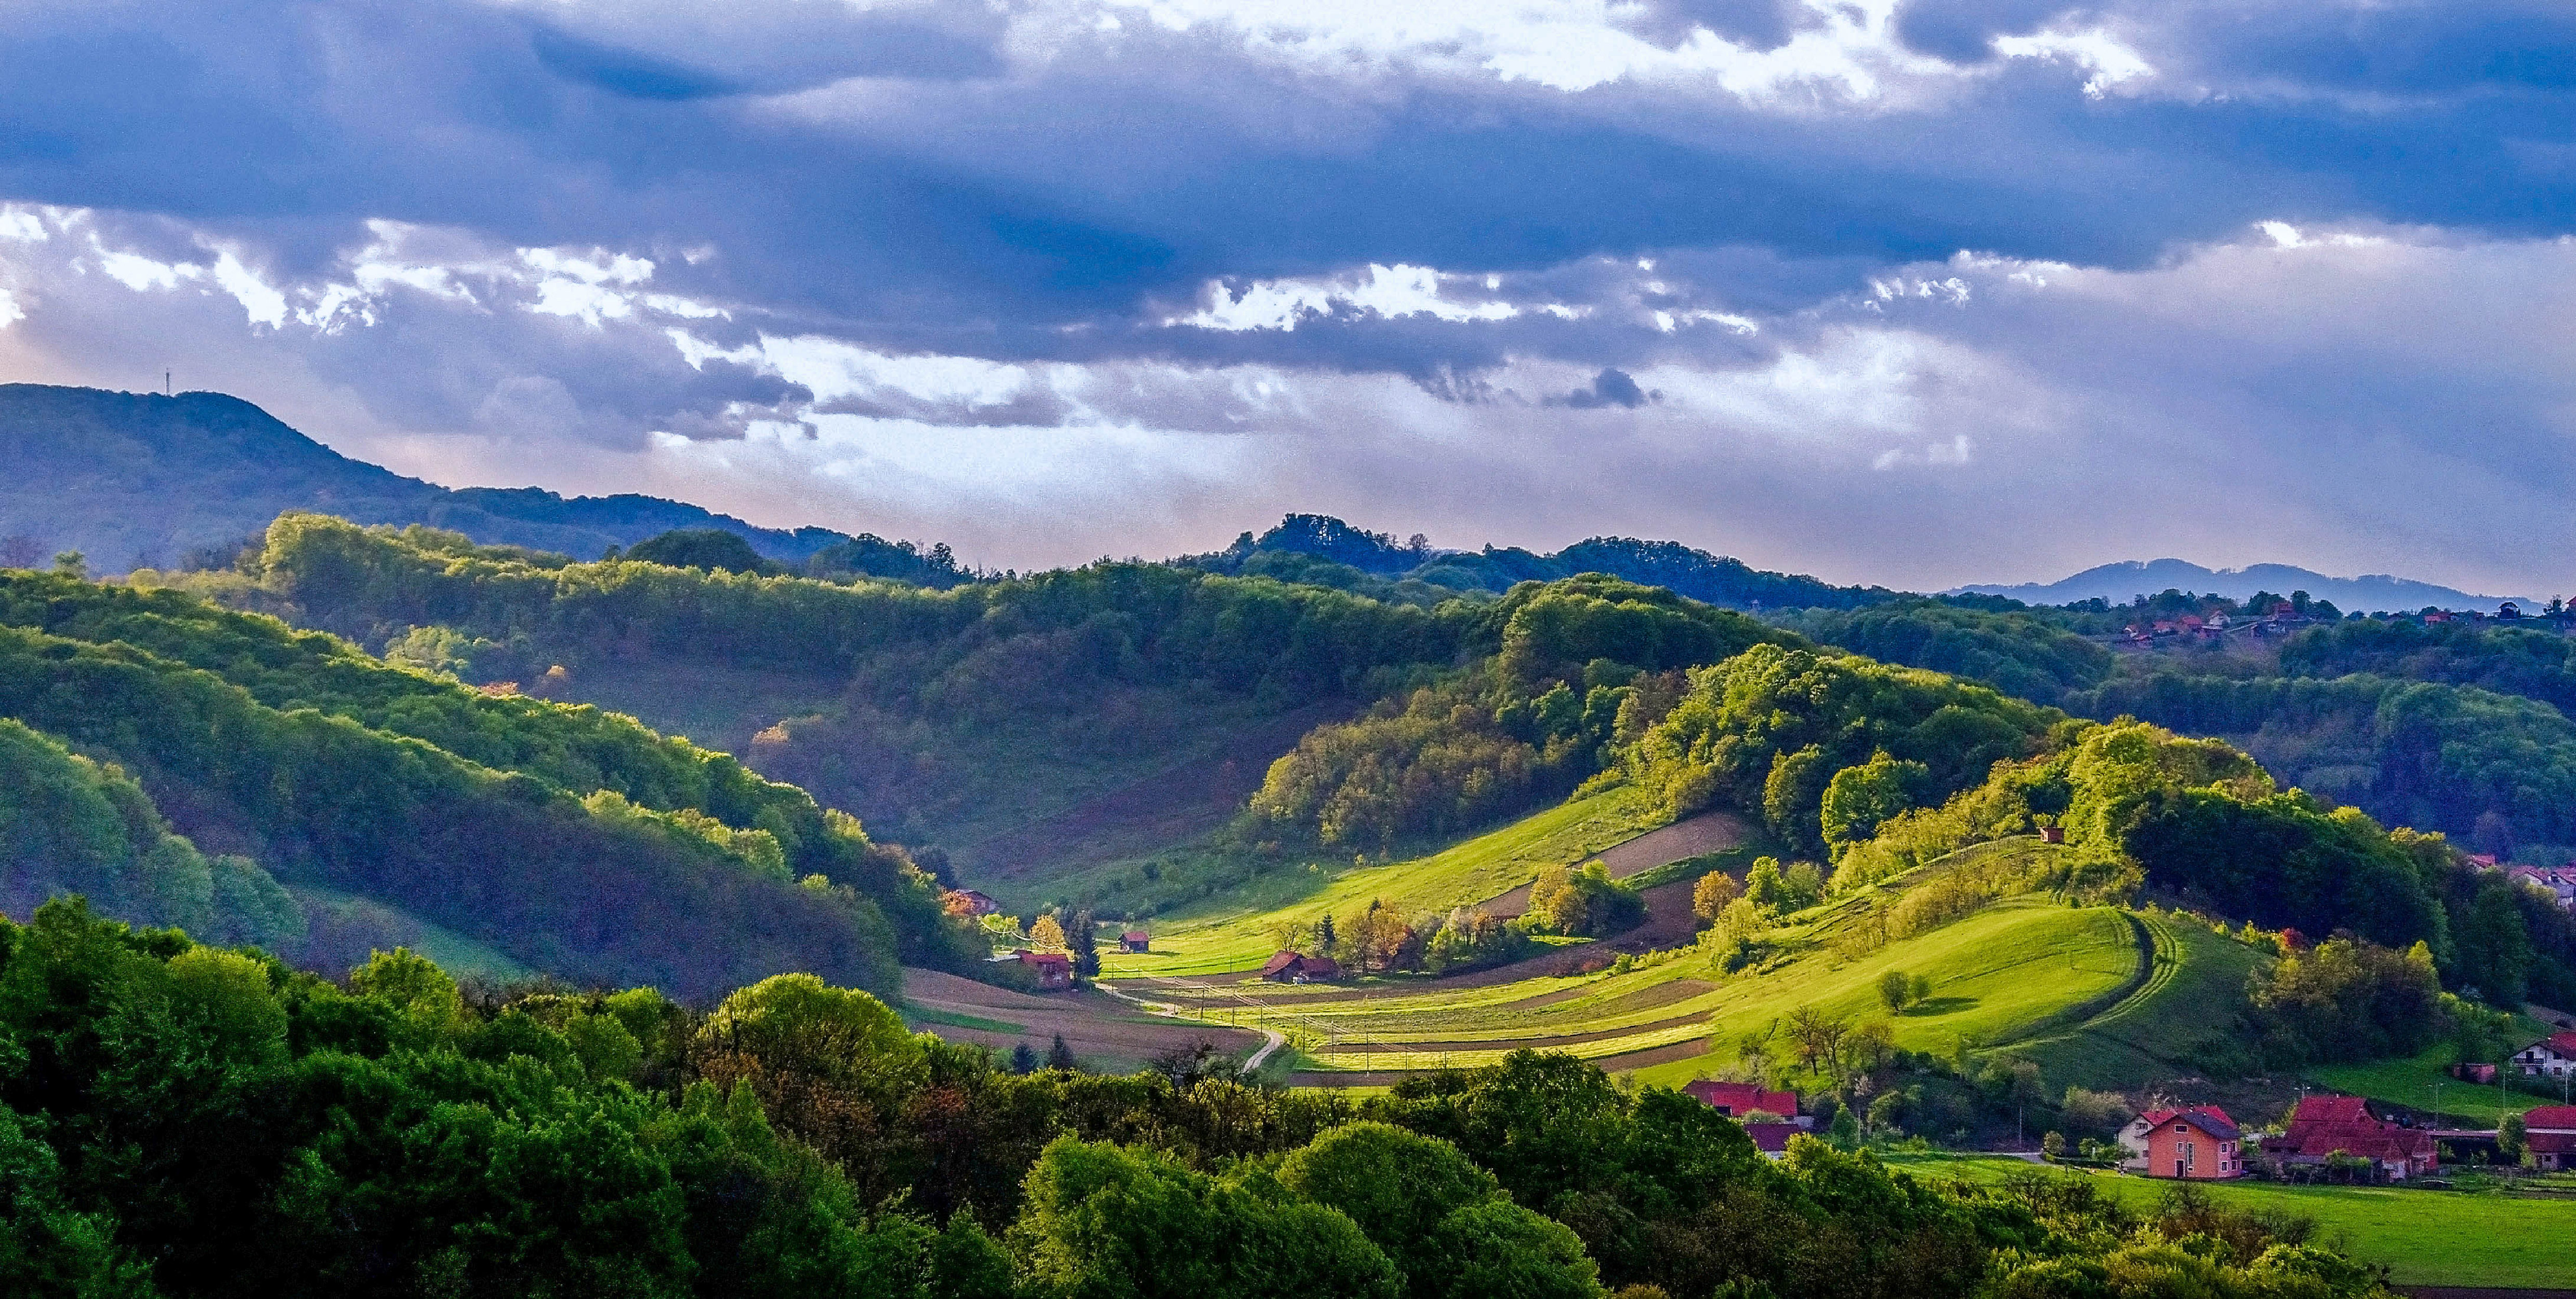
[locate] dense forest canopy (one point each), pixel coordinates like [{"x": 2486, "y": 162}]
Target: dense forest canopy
[
  {"x": 187, "y": 1121},
  {"x": 570, "y": 839}
]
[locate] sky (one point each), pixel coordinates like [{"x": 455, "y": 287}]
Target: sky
[{"x": 1914, "y": 292}]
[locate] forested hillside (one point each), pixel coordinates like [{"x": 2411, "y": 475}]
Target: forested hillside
[
  {"x": 938, "y": 716},
  {"x": 2457, "y": 727},
  {"x": 572, "y": 841}
]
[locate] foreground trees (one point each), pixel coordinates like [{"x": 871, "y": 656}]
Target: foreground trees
[{"x": 183, "y": 1120}]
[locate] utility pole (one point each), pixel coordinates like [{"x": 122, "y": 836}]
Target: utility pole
[{"x": 2437, "y": 1105}]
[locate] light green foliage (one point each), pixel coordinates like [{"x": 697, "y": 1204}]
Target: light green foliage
[
  {"x": 1723, "y": 742},
  {"x": 419, "y": 992},
  {"x": 1859, "y": 798},
  {"x": 797, "y": 1024},
  {"x": 1105, "y": 1221},
  {"x": 1584, "y": 902},
  {"x": 1398, "y": 1187}
]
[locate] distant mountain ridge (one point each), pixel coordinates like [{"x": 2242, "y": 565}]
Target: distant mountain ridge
[
  {"x": 140, "y": 479},
  {"x": 2121, "y": 582}
]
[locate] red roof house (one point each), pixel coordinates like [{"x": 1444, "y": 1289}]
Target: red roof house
[
  {"x": 2551, "y": 1131},
  {"x": 2199, "y": 1144},
  {"x": 1297, "y": 967},
  {"x": 2325, "y": 1125},
  {"x": 1737, "y": 1099},
  {"x": 1772, "y": 1139},
  {"x": 1054, "y": 970},
  {"x": 1135, "y": 940},
  {"x": 2554, "y": 1055}
]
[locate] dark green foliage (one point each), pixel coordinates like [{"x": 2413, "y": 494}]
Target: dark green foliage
[
  {"x": 196, "y": 1122},
  {"x": 1102, "y": 1222},
  {"x": 869, "y": 555},
  {"x": 2283, "y": 862},
  {"x": 2527, "y": 661},
  {"x": 2349, "y": 1001},
  {"x": 602, "y": 889},
  {"x": 712, "y": 549},
  {"x": 71, "y": 825},
  {"x": 2016, "y": 653}
]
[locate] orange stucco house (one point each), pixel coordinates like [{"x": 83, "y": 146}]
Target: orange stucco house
[{"x": 2197, "y": 1144}]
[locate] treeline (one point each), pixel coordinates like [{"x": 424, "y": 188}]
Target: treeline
[
  {"x": 578, "y": 843},
  {"x": 1408, "y": 569},
  {"x": 946, "y": 707},
  {"x": 2457, "y": 727},
  {"x": 187, "y": 1121}
]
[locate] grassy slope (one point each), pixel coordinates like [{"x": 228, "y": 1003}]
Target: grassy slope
[
  {"x": 2425, "y": 1237},
  {"x": 2410, "y": 1082},
  {"x": 2192, "y": 986},
  {"x": 1234, "y": 929},
  {"x": 2098, "y": 995}
]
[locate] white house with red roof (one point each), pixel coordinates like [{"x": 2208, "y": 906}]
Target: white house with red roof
[
  {"x": 2553, "y": 1056},
  {"x": 2559, "y": 882}
]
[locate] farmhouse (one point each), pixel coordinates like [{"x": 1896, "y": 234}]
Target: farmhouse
[
  {"x": 1772, "y": 1139},
  {"x": 1297, "y": 967},
  {"x": 2199, "y": 1144},
  {"x": 2324, "y": 1126},
  {"x": 2553, "y": 1056},
  {"x": 968, "y": 902},
  {"x": 1737, "y": 1099},
  {"x": 2551, "y": 1132},
  {"x": 1135, "y": 940},
  {"x": 2559, "y": 882}
]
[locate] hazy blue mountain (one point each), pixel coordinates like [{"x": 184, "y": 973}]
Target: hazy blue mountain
[
  {"x": 136, "y": 479},
  {"x": 2118, "y": 583}
]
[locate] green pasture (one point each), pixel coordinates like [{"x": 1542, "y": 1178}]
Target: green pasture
[
  {"x": 1997, "y": 976},
  {"x": 2425, "y": 1237},
  {"x": 1236, "y": 928},
  {"x": 2410, "y": 1081}
]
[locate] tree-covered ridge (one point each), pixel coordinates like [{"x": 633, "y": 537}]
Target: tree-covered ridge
[
  {"x": 582, "y": 750},
  {"x": 587, "y": 882},
  {"x": 181, "y": 1120},
  {"x": 1396, "y": 566},
  {"x": 1570, "y": 669},
  {"x": 937, "y": 712},
  {"x": 1795, "y": 737},
  {"x": 2199, "y": 822},
  {"x": 72, "y": 825}
]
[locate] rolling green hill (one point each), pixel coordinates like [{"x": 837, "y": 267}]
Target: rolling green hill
[{"x": 181, "y": 762}]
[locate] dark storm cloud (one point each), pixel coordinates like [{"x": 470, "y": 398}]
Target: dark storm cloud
[
  {"x": 1639, "y": 276},
  {"x": 989, "y": 208}
]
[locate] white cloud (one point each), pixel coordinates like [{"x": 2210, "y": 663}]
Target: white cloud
[
  {"x": 1385, "y": 291},
  {"x": 262, "y": 304}
]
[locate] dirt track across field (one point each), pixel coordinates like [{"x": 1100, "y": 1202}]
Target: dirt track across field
[
  {"x": 1705, "y": 833},
  {"x": 1096, "y": 1025}
]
